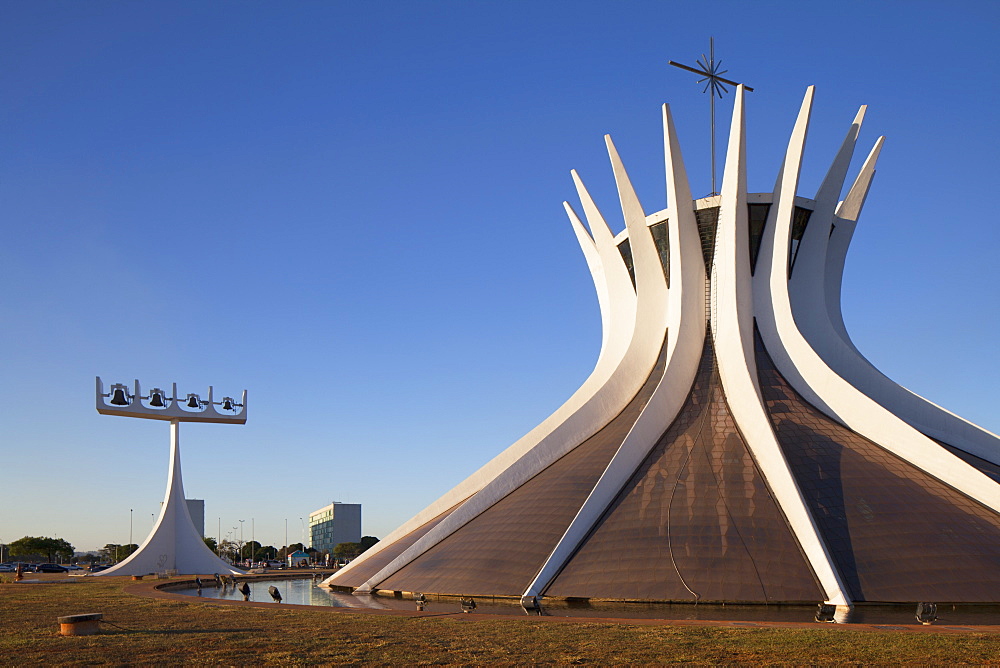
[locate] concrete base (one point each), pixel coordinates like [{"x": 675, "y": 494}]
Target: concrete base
[{"x": 80, "y": 625}]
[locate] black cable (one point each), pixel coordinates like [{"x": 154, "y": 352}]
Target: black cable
[{"x": 104, "y": 621}]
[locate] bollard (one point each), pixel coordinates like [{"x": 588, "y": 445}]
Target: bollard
[{"x": 80, "y": 625}]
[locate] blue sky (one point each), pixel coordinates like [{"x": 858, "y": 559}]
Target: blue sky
[{"x": 353, "y": 210}]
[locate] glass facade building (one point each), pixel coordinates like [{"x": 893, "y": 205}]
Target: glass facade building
[{"x": 334, "y": 524}]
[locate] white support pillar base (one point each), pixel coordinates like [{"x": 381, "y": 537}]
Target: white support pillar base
[{"x": 174, "y": 544}]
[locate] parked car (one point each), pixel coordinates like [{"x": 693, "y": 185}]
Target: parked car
[
  {"x": 74, "y": 567},
  {"x": 51, "y": 568},
  {"x": 25, "y": 568},
  {"x": 7, "y": 568},
  {"x": 96, "y": 568}
]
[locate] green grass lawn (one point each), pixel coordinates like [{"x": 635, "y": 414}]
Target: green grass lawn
[{"x": 168, "y": 631}]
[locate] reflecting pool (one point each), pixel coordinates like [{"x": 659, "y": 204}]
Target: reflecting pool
[{"x": 307, "y": 591}]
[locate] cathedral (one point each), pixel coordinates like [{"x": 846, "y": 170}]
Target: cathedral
[{"x": 731, "y": 443}]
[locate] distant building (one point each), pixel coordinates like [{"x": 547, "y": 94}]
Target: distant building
[
  {"x": 197, "y": 509},
  {"x": 334, "y": 524},
  {"x": 296, "y": 558}
]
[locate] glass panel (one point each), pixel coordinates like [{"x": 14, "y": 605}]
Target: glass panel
[
  {"x": 500, "y": 551},
  {"x": 895, "y": 532},
  {"x": 662, "y": 240},
  {"x": 756, "y": 219},
  {"x": 800, "y": 220},
  {"x": 625, "y": 248},
  {"x": 360, "y": 574},
  {"x": 708, "y": 220},
  {"x": 696, "y": 518}
]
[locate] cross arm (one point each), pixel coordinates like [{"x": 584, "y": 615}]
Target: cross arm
[{"x": 709, "y": 75}]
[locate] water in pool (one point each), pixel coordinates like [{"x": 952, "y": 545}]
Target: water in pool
[{"x": 308, "y": 591}]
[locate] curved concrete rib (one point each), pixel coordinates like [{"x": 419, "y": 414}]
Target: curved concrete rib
[
  {"x": 686, "y": 327},
  {"x": 808, "y": 282},
  {"x": 844, "y": 223},
  {"x": 803, "y": 368},
  {"x": 733, "y": 337},
  {"x": 817, "y": 279},
  {"x": 611, "y": 279},
  {"x": 619, "y": 284},
  {"x": 607, "y": 402},
  {"x": 593, "y": 259}
]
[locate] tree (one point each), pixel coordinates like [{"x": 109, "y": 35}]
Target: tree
[
  {"x": 249, "y": 549},
  {"x": 266, "y": 552},
  {"x": 229, "y": 550},
  {"x": 346, "y": 551},
  {"x": 115, "y": 552},
  {"x": 210, "y": 542},
  {"x": 50, "y": 548},
  {"x": 367, "y": 541},
  {"x": 288, "y": 549}
]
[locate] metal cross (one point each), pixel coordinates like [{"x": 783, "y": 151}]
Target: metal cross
[{"x": 712, "y": 75}]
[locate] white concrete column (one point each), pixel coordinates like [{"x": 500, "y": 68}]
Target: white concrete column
[
  {"x": 174, "y": 543},
  {"x": 686, "y": 337},
  {"x": 733, "y": 294},
  {"x": 810, "y": 376}
]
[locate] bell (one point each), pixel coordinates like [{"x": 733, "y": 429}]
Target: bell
[
  {"x": 118, "y": 397},
  {"x": 227, "y": 403},
  {"x": 156, "y": 398},
  {"x": 193, "y": 402}
]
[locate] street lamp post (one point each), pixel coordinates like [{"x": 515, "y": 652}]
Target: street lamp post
[
  {"x": 241, "y": 540},
  {"x": 130, "y": 528},
  {"x": 174, "y": 544}
]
